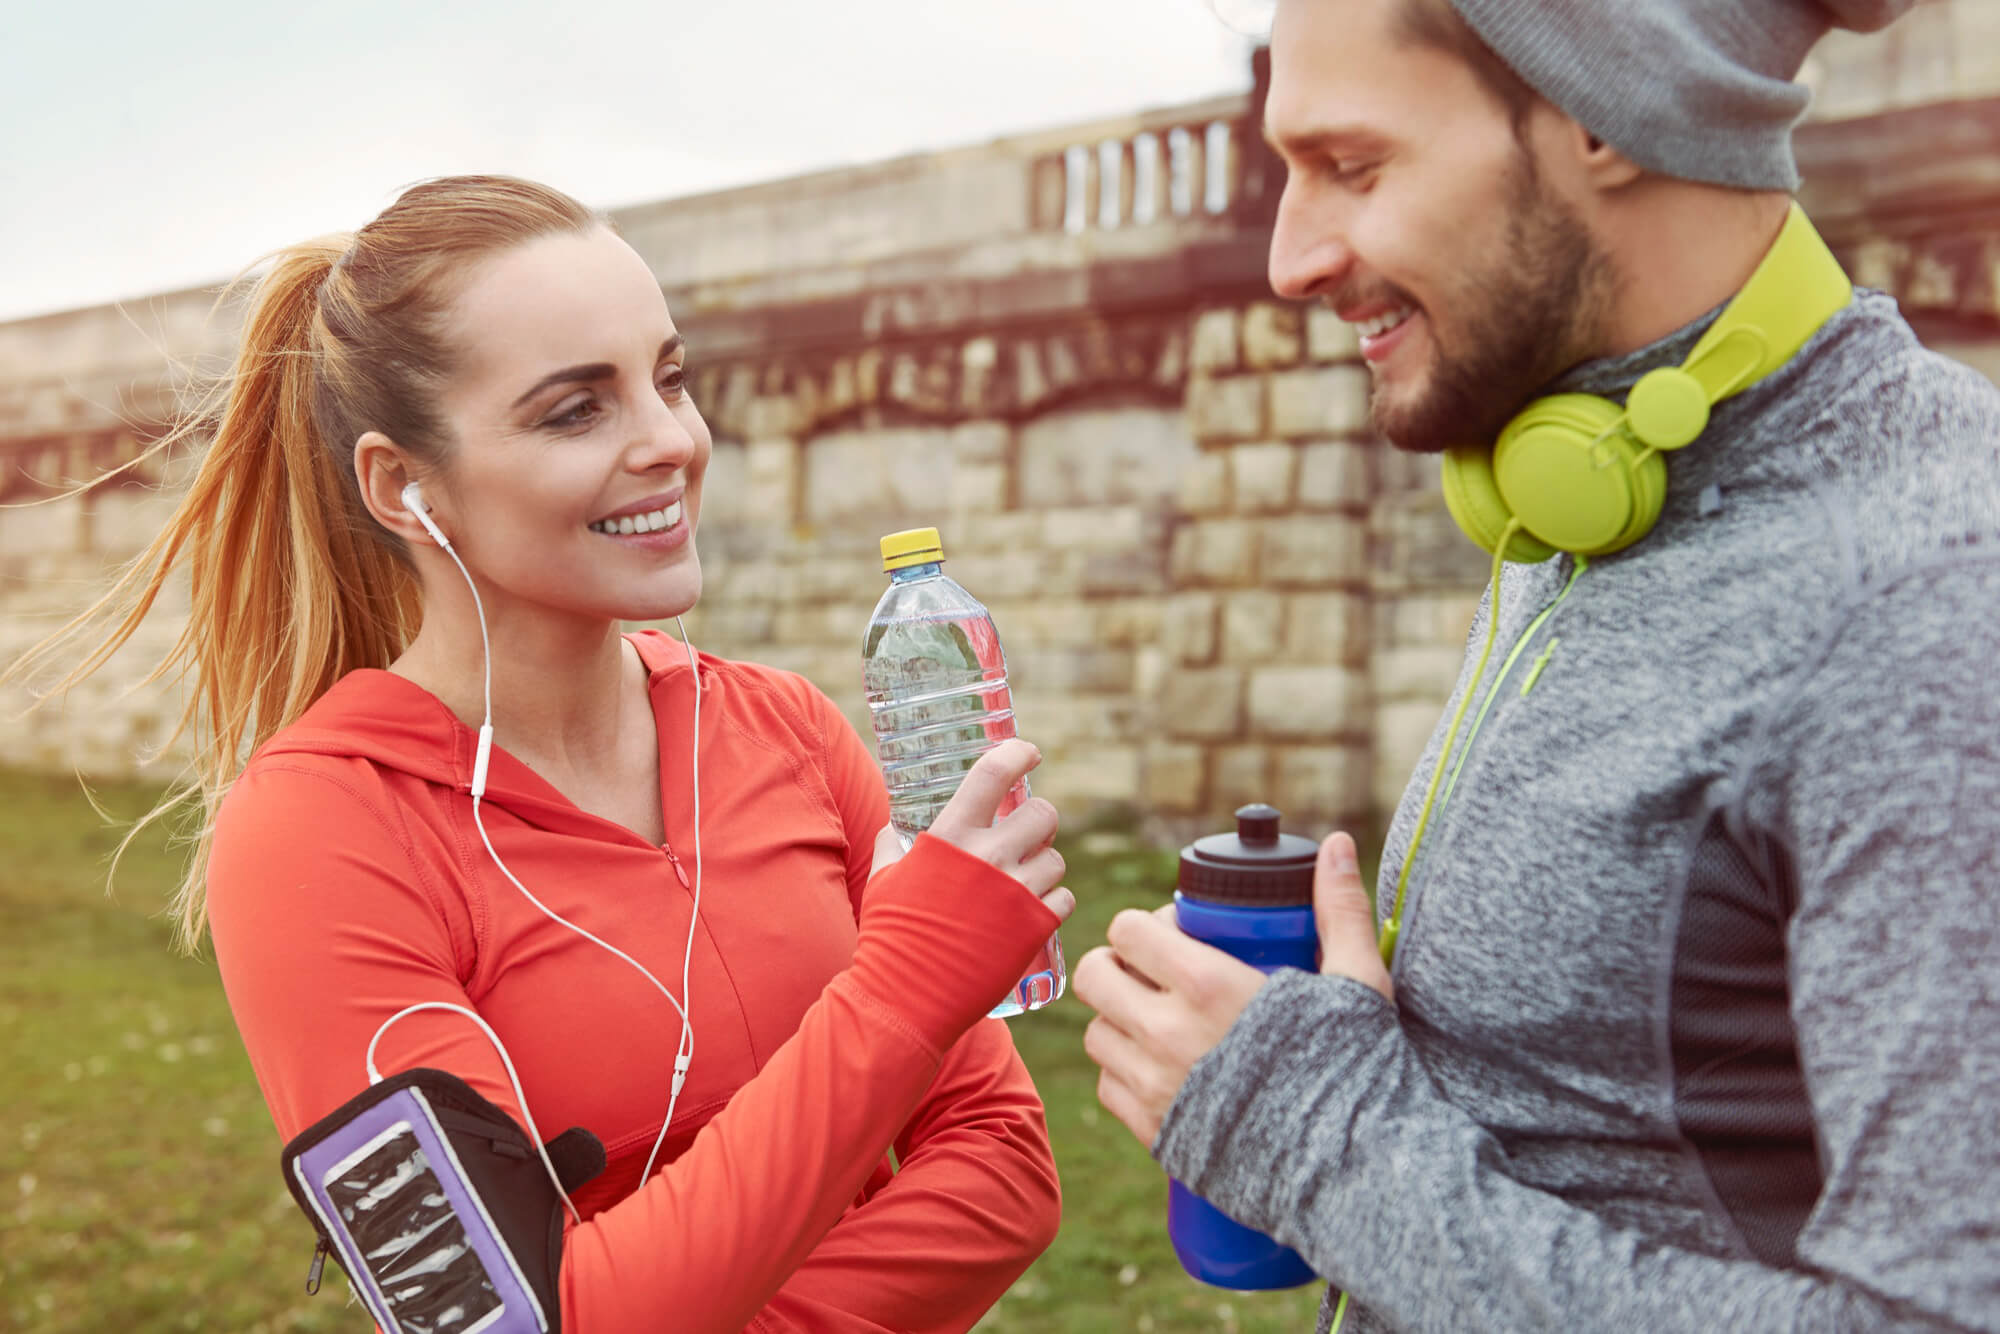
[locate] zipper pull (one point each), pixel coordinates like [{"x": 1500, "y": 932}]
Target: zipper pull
[
  {"x": 320, "y": 1250},
  {"x": 1535, "y": 672},
  {"x": 679, "y": 870}
]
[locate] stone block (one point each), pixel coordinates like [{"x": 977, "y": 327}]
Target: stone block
[
  {"x": 1189, "y": 635},
  {"x": 1329, "y": 337},
  {"x": 1149, "y": 671},
  {"x": 771, "y": 491},
  {"x": 1429, "y": 619},
  {"x": 1423, "y": 671},
  {"x": 980, "y": 487},
  {"x": 770, "y": 415},
  {"x": 1089, "y": 772},
  {"x": 1308, "y": 703},
  {"x": 1336, "y": 474},
  {"x": 1261, "y": 476},
  {"x": 1271, "y": 335},
  {"x": 1214, "y": 341},
  {"x": 1327, "y": 627},
  {"x": 982, "y": 441},
  {"x": 1204, "y": 483},
  {"x": 871, "y": 474},
  {"x": 1314, "y": 551},
  {"x": 1401, "y": 732},
  {"x": 1977, "y": 43},
  {"x": 1043, "y": 623},
  {"x": 1089, "y": 670},
  {"x": 123, "y": 519},
  {"x": 1253, "y": 625},
  {"x": 1127, "y": 573},
  {"x": 1418, "y": 546},
  {"x": 1095, "y": 530},
  {"x": 1242, "y": 774},
  {"x": 767, "y": 581},
  {"x": 1204, "y": 703},
  {"x": 1321, "y": 400},
  {"x": 1229, "y": 407},
  {"x": 1172, "y": 776},
  {"x": 1104, "y": 456},
  {"x": 1400, "y": 470},
  {"x": 1323, "y": 785},
  {"x": 1126, "y": 622},
  {"x": 1011, "y": 574},
  {"x": 1066, "y": 721},
  {"x": 1214, "y": 552},
  {"x": 55, "y": 526},
  {"x": 992, "y": 531}
]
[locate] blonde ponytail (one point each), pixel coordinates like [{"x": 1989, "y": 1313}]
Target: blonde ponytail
[{"x": 293, "y": 584}]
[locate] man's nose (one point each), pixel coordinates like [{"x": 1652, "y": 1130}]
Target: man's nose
[{"x": 1309, "y": 251}]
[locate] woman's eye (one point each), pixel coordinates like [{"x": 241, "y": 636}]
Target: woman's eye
[
  {"x": 579, "y": 413},
  {"x": 673, "y": 382}
]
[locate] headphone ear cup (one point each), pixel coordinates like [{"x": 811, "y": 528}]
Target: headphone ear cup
[
  {"x": 1578, "y": 481},
  {"x": 1472, "y": 494}
]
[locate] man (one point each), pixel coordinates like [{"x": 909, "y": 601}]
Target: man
[{"x": 1690, "y": 1020}]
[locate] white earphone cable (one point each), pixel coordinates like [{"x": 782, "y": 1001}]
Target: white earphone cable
[
  {"x": 375, "y": 1077},
  {"x": 684, "y": 1049}
]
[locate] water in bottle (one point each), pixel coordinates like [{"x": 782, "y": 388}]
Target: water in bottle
[
  {"x": 936, "y": 682},
  {"x": 1248, "y": 893}
]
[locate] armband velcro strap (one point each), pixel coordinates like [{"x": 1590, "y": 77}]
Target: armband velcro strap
[{"x": 437, "y": 1206}]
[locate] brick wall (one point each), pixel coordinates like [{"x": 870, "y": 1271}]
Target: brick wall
[{"x": 1059, "y": 349}]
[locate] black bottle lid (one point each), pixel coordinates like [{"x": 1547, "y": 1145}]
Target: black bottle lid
[{"x": 1256, "y": 866}]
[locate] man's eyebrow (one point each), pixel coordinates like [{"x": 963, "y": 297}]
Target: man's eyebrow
[
  {"x": 1301, "y": 142},
  {"x": 594, "y": 370}
]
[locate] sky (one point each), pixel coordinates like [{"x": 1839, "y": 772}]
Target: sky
[{"x": 148, "y": 147}]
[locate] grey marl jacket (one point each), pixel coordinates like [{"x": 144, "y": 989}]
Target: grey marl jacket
[{"x": 1695, "y": 1022}]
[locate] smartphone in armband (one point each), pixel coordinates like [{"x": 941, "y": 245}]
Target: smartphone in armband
[{"x": 433, "y": 1202}]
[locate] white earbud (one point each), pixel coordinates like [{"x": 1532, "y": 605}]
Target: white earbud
[{"x": 413, "y": 501}]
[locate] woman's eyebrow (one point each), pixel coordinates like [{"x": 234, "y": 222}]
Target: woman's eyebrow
[{"x": 589, "y": 371}]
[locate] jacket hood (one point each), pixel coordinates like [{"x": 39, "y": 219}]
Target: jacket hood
[{"x": 393, "y": 722}]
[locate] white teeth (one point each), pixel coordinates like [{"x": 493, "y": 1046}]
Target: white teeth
[
  {"x": 651, "y": 522},
  {"x": 1381, "y": 324}
]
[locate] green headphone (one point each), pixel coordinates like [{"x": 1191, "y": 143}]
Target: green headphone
[{"x": 1585, "y": 475}]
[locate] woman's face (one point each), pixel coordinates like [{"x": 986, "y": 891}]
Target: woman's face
[{"x": 574, "y": 479}]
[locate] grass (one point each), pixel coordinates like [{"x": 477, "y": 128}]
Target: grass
[{"x": 139, "y": 1188}]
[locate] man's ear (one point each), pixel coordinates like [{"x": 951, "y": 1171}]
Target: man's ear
[
  {"x": 1601, "y": 166},
  {"x": 383, "y": 470}
]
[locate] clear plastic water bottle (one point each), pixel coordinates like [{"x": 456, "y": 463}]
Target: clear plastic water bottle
[{"x": 936, "y": 683}]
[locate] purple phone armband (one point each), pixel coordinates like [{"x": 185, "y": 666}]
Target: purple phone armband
[{"x": 438, "y": 1207}]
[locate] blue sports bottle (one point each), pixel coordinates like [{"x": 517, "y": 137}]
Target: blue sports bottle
[{"x": 1248, "y": 893}]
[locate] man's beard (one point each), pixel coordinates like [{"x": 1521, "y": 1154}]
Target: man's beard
[{"x": 1529, "y": 316}]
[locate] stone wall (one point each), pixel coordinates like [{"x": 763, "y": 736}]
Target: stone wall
[{"x": 1058, "y": 348}]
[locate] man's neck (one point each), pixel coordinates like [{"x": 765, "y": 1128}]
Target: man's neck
[{"x": 1680, "y": 250}]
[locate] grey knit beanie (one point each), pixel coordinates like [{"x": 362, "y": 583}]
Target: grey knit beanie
[{"x": 1700, "y": 89}]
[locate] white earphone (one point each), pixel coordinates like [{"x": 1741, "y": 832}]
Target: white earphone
[{"x": 413, "y": 501}]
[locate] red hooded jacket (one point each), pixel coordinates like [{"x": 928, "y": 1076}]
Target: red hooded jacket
[{"x": 347, "y": 881}]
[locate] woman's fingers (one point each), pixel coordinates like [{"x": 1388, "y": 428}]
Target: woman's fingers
[{"x": 984, "y": 786}]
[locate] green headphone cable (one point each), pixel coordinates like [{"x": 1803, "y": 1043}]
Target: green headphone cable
[
  {"x": 1507, "y": 667},
  {"x": 1393, "y": 924}
]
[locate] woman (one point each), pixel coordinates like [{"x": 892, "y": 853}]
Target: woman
[{"x": 486, "y": 363}]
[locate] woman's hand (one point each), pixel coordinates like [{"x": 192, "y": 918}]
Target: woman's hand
[{"x": 1022, "y": 844}]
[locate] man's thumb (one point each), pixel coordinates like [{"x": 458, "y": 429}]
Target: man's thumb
[{"x": 1346, "y": 921}]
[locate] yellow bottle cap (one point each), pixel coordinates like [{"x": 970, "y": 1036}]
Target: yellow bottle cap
[{"x": 912, "y": 546}]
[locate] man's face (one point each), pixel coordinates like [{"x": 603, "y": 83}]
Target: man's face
[{"x": 1414, "y": 210}]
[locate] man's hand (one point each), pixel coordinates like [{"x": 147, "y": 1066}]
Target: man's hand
[{"x": 1164, "y": 999}]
